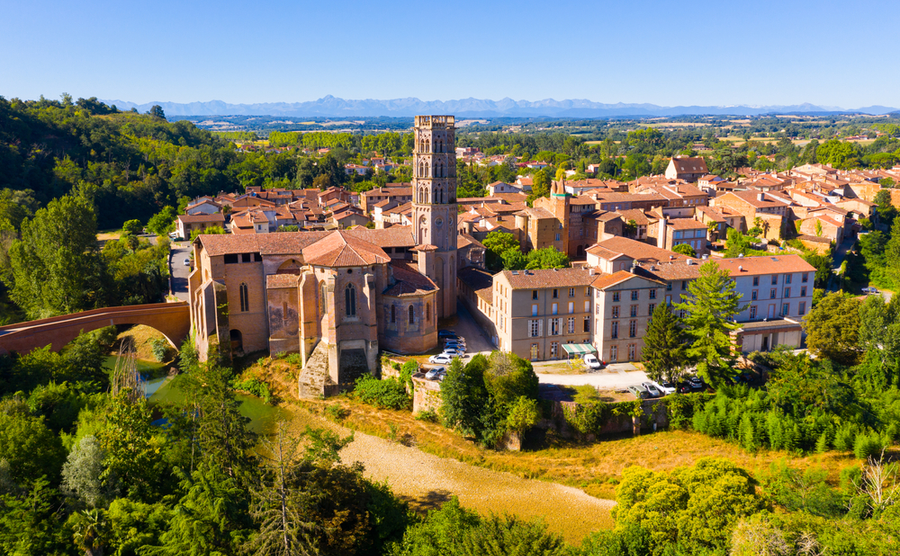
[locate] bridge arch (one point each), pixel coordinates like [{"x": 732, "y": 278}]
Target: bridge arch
[{"x": 172, "y": 320}]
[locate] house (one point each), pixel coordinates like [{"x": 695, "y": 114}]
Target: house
[
  {"x": 770, "y": 208},
  {"x": 186, "y": 224},
  {"x": 204, "y": 206},
  {"x": 686, "y": 168},
  {"x": 623, "y": 305},
  {"x": 501, "y": 187}
]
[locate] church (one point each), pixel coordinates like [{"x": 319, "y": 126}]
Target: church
[{"x": 337, "y": 297}]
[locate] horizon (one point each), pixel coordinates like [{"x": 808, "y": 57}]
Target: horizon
[{"x": 653, "y": 53}]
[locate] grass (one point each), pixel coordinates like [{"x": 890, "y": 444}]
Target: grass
[
  {"x": 141, "y": 336},
  {"x": 593, "y": 467}
]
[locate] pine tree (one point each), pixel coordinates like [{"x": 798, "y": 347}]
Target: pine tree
[
  {"x": 711, "y": 308},
  {"x": 663, "y": 354}
]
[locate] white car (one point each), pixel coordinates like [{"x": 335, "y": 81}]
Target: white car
[
  {"x": 666, "y": 390},
  {"x": 187, "y": 262},
  {"x": 591, "y": 361},
  {"x": 451, "y": 353},
  {"x": 435, "y": 373},
  {"x": 442, "y": 359}
]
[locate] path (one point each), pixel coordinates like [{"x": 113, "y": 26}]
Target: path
[
  {"x": 427, "y": 480},
  {"x": 180, "y": 272}
]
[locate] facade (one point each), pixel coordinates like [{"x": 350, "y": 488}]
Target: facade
[
  {"x": 687, "y": 169},
  {"x": 337, "y": 297},
  {"x": 623, "y": 305},
  {"x": 536, "y": 312}
]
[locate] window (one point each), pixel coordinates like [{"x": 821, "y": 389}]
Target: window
[
  {"x": 571, "y": 292},
  {"x": 805, "y": 277},
  {"x": 428, "y": 313},
  {"x": 555, "y": 294},
  {"x": 774, "y": 279},
  {"x": 350, "y": 300},
  {"x": 587, "y": 324},
  {"x": 632, "y": 350},
  {"x": 652, "y": 294},
  {"x": 597, "y": 309},
  {"x": 651, "y": 307},
  {"x": 554, "y": 327},
  {"x": 571, "y": 307},
  {"x": 587, "y": 306},
  {"x": 684, "y": 284},
  {"x": 787, "y": 292},
  {"x": 412, "y": 316},
  {"x": 754, "y": 295},
  {"x": 803, "y": 291},
  {"x": 587, "y": 291},
  {"x": 245, "y": 257},
  {"x": 802, "y": 309},
  {"x": 773, "y": 293},
  {"x": 634, "y": 310},
  {"x": 632, "y": 328},
  {"x": 668, "y": 286},
  {"x": 534, "y": 310},
  {"x": 554, "y": 349},
  {"x": 614, "y": 330},
  {"x": 393, "y": 313},
  {"x": 324, "y": 298},
  {"x": 756, "y": 280},
  {"x": 753, "y": 311},
  {"x": 245, "y": 298},
  {"x": 787, "y": 278},
  {"x": 554, "y": 309},
  {"x": 534, "y": 351},
  {"x": 533, "y": 294},
  {"x": 535, "y": 327},
  {"x": 615, "y": 312},
  {"x": 634, "y": 295},
  {"x": 613, "y": 353},
  {"x": 615, "y": 297},
  {"x": 231, "y": 259},
  {"x": 785, "y": 309},
  {"x": 571, "y": 325},
  {"x": 284, "y": 310}
]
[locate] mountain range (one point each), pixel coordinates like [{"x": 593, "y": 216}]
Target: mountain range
[{"x": 334, "y": 107}]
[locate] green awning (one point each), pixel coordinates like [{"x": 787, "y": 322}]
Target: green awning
[{"x": 578, "y": 349}]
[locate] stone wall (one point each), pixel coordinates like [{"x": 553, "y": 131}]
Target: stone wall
[{"x": 426, "y": 394}]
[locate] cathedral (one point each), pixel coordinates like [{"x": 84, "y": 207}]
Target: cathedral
[{"x": 336, "y": 298}]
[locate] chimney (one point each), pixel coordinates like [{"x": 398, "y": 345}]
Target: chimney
[
  {"x": 761, "y": 196},
  {"x": 661, "y": 234}
]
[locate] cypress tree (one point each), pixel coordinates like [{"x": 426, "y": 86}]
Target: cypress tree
[{"x": 663, "y": 354}]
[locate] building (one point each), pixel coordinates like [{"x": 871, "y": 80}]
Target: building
[
  {"x": 536, "y": 312},
  {"x": 623, "y": 305},
  {"x": 686, "y": 168},
  {"x": 337, "y": 297}
]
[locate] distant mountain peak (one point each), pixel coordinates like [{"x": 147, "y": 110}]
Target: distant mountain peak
[{"x": 331, "y": 106}]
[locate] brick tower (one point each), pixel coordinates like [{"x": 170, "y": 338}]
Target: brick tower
[{"x": 434, "y": 205}]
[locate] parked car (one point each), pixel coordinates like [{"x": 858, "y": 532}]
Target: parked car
[
  {"x": 591, "y": 361},
  {"x": 444, "y": 333},
  {"x": 696, "y": 383},
  {"x": 434, "y": 373},
  {"x": 442, "y": 359},
  {"x": 639, "y": 392},
  {"x": 743, "y": 377},
  {"x": 869, "y": 290},
  {"x": 457, "y": 340},
  {"x": 666, "y": 387},
  {"x": 187, "y": 262},
  {"x": 652, "y": 390},
  {"x": 451, "y": 353},
  {"x": 455, "y": 346}
]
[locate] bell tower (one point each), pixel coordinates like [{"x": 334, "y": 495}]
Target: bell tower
[{"x": 434, "y": 205}]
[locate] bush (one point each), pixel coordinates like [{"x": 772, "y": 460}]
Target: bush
[
  {"x": 389, "y": 393},
  {"x": 254, "y": 386},
  {"x": 337, "y": 412},
  {"x": 160, "y": 348},
  {"x": 428, "y": 415},
  {"x": 868, "y": 446}
]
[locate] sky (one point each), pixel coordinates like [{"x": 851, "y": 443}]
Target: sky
[{"x": 828, "y": 53}]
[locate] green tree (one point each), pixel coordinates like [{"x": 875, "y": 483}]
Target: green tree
[
  {"x": 162, "y": 222},
  {"x": 465, "y": 396},
  {"x": 546, "y": 258},
  {"x": 685, "y": 249},
  {"x": 157, "y": 112},
  {"x": 29, "y": 448},
  {"x": 133, "y": 227},
  {"x": 710, "y": 307},
  {"x": 832, "y": 328},
  {"x": 56, "y": 267},
  {"x": 664, "y": 346}
]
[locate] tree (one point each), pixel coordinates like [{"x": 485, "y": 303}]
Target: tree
[
  {"x": 685, "y": 249},
  {"x": 162, "y": 222},
  {"x": 832, "y": 328},
  {"x": 523, "y": 414},
  {"x": 711, "y": 307},
  {"x": 83, "y": 473},
  {"x": 56, "y": 266},
  {"x": 157, "y": 112},
  {"x": 546, "y": 258},
  {"x": 133, "y": 227},
  {"x": 886, "y": 209},
  {"x": 465, "y": 396},
  {"x": 664, "y": 349},
  {"x": 29, "y": 448}
]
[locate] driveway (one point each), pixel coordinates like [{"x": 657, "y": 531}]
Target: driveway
[
  {"x": 477, "y": 340},
  {"x": 615, "y": 379},
  {"x": 180, "y": 272}
]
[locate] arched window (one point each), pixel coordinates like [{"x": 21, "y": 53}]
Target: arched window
[
  {"x": 428, "y": 312},
  {"x": 427, "y": 170},
  {"x": 412, "y": 315},
  {"x": 427, "y": 145},
  {"x": 245, "y": 298},
  {"x": 393, "y": 313},
  {"x": 439, "y": 169},
  {"x": 324, "y": 299},
  {"x": 350, "y": 300}
]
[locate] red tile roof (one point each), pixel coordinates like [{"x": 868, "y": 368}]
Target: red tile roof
[{"x": 340, "y": 249}]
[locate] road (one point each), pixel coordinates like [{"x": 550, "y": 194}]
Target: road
[{"x": 180, "y": 272}]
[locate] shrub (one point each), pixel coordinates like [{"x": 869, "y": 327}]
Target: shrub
[
  {"x": 160, "y": 348},
  {"x": 337, "y": 412},
  {"x": 868, "y": 446},
  {"x": 254, "y": 386},
  {"x": 389, "y": 393},
  {"x": 428, "y": 415}
]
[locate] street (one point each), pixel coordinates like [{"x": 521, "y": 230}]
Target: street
[{"x": 179, "y": 271}]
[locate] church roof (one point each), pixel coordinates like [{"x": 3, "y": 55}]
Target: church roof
[
  {"x": 343, "y": 249},
  {"x": 290, "y": 243},
  {"x": 408, "y": 281}
]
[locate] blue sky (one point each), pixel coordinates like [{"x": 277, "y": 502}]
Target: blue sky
[{"x": 830, "y": 53}]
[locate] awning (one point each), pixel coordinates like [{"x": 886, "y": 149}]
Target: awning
[{"x": 578, "y": 349}]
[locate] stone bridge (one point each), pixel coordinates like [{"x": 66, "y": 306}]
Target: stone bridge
[{"x": 172, "y": 319}]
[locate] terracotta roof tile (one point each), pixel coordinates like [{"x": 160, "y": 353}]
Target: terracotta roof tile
[
  {"x": 544, "y": 278},
  {"x": 340, "y": 249},
  {"x": 408, "y": 281}
]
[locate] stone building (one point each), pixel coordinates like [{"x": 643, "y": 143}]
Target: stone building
[{"x": 337, "y": 297}]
